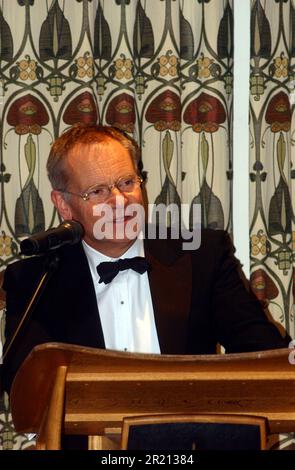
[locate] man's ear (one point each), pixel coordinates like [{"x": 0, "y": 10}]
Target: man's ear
[{"x": 62, "y": 206}]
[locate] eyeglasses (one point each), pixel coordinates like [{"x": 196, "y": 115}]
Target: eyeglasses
[{"x": 102, "y": 192}]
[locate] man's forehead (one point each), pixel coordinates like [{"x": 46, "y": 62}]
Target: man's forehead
[
  {"x": 96, "y": 148},
  {"x": 96, "y": 161}
]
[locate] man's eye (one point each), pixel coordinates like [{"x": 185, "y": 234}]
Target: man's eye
[
  {"x": 99, "y": 191},
  {"x": 126, "y": 183}
]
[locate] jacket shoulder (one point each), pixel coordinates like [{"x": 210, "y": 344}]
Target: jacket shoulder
[{"x": 23, "y": 267}]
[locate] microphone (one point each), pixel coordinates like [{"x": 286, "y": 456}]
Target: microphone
[{"x": 67, "y": 233}]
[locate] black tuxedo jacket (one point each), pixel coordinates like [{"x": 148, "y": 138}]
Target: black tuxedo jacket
[{"x": 198, "y": 297}]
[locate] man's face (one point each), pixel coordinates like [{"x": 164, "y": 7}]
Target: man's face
[{"x": 101, "y": 164}]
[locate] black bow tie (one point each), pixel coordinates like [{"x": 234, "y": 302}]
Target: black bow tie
[{"x": 107, "y": 270}]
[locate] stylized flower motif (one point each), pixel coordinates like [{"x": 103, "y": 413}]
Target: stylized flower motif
[
  {"x": 168, "y": 65},
  {"x": 259, "y": 244},
  {"x": 263, "y": 286},
  {"x": 205, "y": 113},
  {"x": 85, "y": 66},
  {"x": 281, "y": 66},
  {"x": 81, "y": 109},
  {"x": 140, "y": 84},
  {"x": 6, "y": 43},
  {"x": 5, "y": 245},
  {"x": 100, "y": 85},
  {"x": 123, "y": 68},
  {"x": 284, "y": 259},
  {"x": 27, "y": 115},
  {"x": 165, "y": 112},
  {"x": 203, "y": 66},
  {"x": 27, "y": 69},
  {"x": 257, "y": 85},
  {"x": 55, "y": 37},
  {"x": 278, "y": 113},
  {"x": 121, "y": 112}
]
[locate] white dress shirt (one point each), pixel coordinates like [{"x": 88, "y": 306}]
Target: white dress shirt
[{"x": 125, "y": 304}]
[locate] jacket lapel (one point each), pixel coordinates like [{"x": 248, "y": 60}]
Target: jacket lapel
[
  {"x": 83, "y": 325},
  {"x": 171, "y": 286}
]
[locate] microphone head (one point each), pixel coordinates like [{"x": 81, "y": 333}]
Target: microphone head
[
  {"x": 75, "y": 228},
  {"x": 67, "y": 233}
]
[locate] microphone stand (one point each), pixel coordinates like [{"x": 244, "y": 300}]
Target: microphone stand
[{"x": 50, "y": 266}]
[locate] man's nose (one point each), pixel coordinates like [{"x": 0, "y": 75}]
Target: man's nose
[
  {"x": 117, "y": 198},
  {"x": 114, "y": 190}
]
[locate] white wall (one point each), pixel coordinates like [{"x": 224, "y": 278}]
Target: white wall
[{"x": 240, "y": 132}]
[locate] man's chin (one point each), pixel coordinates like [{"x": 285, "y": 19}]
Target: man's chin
[{"x": 112, "y": 247}]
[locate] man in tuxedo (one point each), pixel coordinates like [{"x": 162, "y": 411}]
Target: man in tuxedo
[{"x": 173, "y": 301}]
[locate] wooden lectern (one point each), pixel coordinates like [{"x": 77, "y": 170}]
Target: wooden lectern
[{"x": 70, "y": 389}]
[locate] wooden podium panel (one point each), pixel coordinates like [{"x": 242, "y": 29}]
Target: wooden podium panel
[{"x": 88, "y": 391}]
